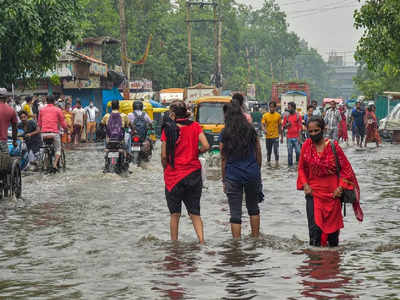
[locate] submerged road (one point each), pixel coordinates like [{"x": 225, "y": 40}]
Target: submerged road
[{"x": 85, "y": 235}]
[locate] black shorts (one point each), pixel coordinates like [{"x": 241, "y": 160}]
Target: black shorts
[{"x": 188, "y": 191}]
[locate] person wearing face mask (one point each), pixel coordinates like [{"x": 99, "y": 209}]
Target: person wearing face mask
[
  {"x": 323, "y": 184},
  {"x": 91, "y": 112}
]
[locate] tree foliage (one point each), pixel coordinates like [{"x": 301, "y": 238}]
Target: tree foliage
[
  {"x": 31, "y": 33},
  {"x": 257, "y": 46},
  {"x": 378, "y": 51}
]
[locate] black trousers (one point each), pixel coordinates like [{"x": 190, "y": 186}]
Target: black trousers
[
  {"x": 314, "y": 231},
  {"x": 272, "y": 144}
]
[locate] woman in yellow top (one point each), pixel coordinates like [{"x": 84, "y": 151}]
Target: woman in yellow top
[
  {"x": 66, "y": 138},
  {"x": 28, "y": 107},
  {"x": 271, "y": 125}
]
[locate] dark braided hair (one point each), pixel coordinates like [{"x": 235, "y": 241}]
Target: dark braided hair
[{"x": 171, "y": 130}]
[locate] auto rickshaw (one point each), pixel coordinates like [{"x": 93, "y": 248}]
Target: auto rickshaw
[
  {"x": 157, "y": 121},
  {"x": 208, "y": 112}
]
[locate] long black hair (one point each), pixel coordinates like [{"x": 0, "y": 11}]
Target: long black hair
[
  {"x": 239, "y": 136},
  {"x": 171, "y": 130}
]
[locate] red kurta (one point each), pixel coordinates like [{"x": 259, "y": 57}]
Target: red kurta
[
  {"x": 343, "y": 126},
  {"x": 371, "y": 125},
  {"x": 319, "y": 171}
]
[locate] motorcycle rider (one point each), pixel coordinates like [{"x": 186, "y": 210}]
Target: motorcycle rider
[
  {"x": 115, "y": 124},
  {"x": 140, "y": 122}
]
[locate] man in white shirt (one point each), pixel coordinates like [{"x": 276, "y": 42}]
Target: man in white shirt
[
  {"x": 78, "y": 119},
  {"x": 91, "y": 112}
]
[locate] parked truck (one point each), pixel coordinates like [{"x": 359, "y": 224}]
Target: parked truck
[{"x": 285, "y": 92}]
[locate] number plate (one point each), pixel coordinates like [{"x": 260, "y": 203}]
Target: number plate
[
  {"x": 136, "y": 148},
  {"x": 113, "y": 154}
]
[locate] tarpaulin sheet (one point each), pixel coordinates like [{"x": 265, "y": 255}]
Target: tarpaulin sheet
[{"x": 109, "y": 95}]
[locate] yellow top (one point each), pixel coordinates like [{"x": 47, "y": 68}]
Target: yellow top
[
  {"x": 272, "y": 123},
  {"x": 28, "y": 109},
  {"x": 68, "y": 118},
  {"x": 124, "y": 117}
]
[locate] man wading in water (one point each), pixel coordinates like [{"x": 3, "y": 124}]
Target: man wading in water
[{"x": 182, "y": 169}]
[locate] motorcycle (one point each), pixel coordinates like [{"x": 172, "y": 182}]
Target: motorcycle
[
  {"x": 141, "y": 150},
  {"x": 115, "y": 158}
]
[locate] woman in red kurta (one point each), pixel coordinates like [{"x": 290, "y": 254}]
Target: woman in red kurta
[
  {"x": 343, "y": 134},
  {"x": 317, "y": 176},
  {"x": 371, "y": 126}
]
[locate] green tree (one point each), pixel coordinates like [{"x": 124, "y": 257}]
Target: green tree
[
  {"x": 378, "y": 51},
  {"x": 261, "y": 33},
  {"x": 379, "y": 47},
  {"x": 31, "y": 33}
]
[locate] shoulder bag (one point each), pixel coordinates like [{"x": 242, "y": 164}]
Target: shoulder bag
[{"x": 348, "y": 196}]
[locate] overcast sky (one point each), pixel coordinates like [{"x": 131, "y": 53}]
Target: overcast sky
[{"x": 325, "y": 24}]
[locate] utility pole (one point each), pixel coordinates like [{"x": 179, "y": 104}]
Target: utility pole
[
  {"x": 217, "y": 37},
  {"x": 124, "y": 50},
  {"x": 189, "y": 32},
  {"x": 219, "y": 56},
  {"x": 248, "y": 64}
]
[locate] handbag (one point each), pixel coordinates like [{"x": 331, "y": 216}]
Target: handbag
[{"x": 348, "y": 196}]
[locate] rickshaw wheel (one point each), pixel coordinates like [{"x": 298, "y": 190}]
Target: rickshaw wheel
[{"x": 16, "y": 181}]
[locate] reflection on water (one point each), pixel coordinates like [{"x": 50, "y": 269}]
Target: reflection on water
[
  {"x": 240, "y": 263},
  {"x": 85, "y": 235},
  {"x": 321, "y": 275},
  {"x": 180, "y": 262}
]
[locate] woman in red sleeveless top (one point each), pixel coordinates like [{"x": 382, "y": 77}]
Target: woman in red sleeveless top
[{"x": 182, "y": 169}]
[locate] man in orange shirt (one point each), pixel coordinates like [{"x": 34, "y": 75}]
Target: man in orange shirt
[{"x": 293, "y": 124}]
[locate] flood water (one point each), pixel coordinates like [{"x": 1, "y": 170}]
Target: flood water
[{"x": 85, "y": 235}]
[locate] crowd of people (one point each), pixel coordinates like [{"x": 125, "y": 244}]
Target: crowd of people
[
  {"x": 81, "y": 122},
  {"x": 324, "y": 172},
  {"x": 40, "y": 117},
  {"x": 293, "y": 126}
]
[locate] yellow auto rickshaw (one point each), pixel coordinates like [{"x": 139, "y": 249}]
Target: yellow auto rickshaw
[{"x": 208, "y": 112}]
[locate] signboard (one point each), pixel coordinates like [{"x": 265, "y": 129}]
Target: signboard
[
  {"x": 193, "y": 94},
  {"x": 251, "y": 91},
  {"x": 169, "y": 97},
  {"x": 141, "y": 85},
  {"x": 63, "y": 69},
  {"x": 92, "y": 83}
]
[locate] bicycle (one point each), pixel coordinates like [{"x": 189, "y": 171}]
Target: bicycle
[{"x": 47, "y": 155}]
